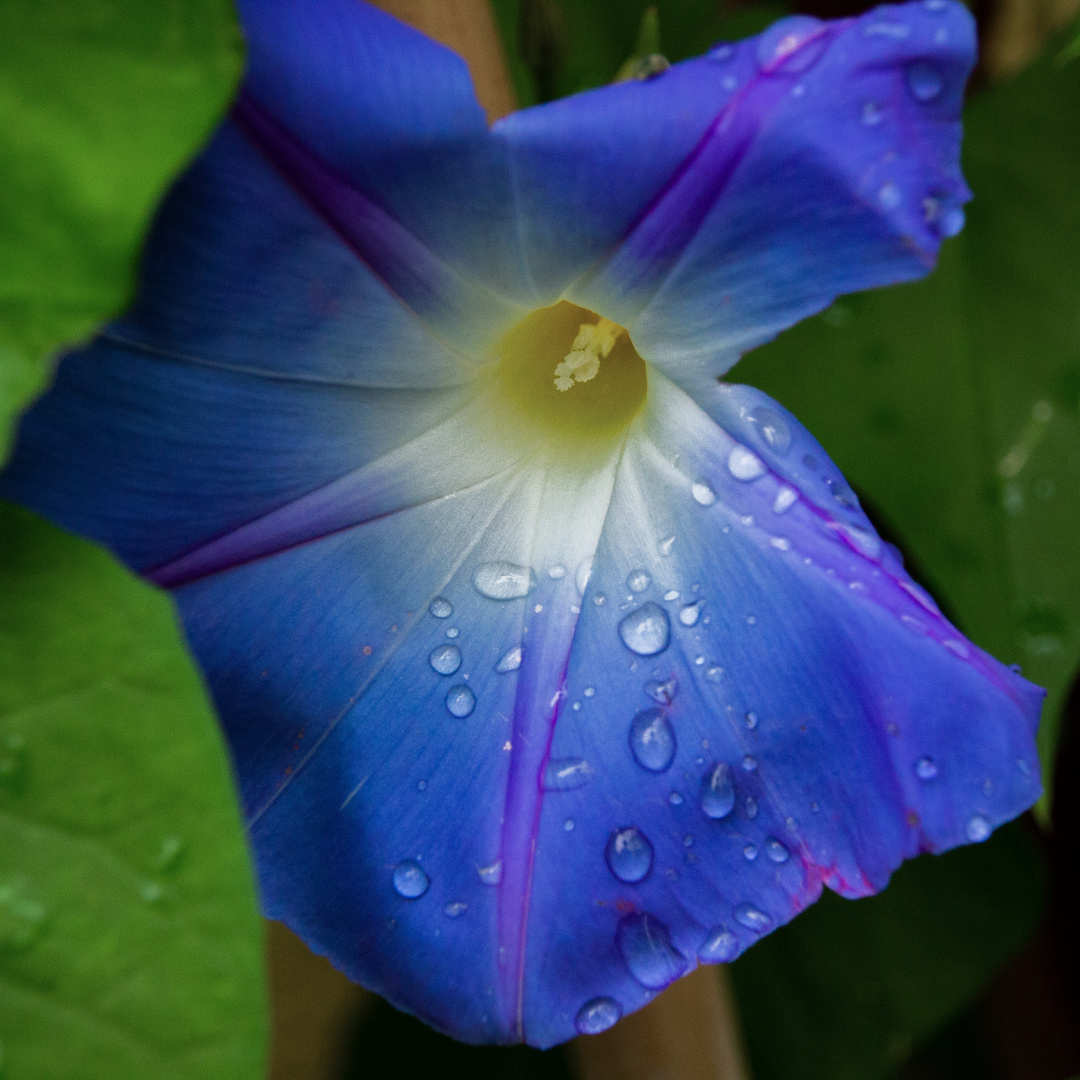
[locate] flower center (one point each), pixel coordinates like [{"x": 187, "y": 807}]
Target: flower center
[{"x": 572, "y": 371}]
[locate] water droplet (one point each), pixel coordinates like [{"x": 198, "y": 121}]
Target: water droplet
[
  {"x": 652, "y": 740},
  {"x": 776, "y": 851},
  {"x": 690, "y": 614},
  {"x": 410, "y": 880},
  {"x": 702, "y": 493},
  {"x": 790, "y": 824},
  {"x": 957, "y": 647},
  {"x": 599, "y": 599},
  {"x": 460, "y": 701},
  {"x": 568, "y": 825},
  {"x": 896, "y": 31},
  {"x": 951, "y": 222},
  {"x": 672, "y": 594},
  {"x": 666, "y": 545},
  {"x": 566, "y": 774},
  {"x": 557, "y": 572},
  {"x": 714, "y": 673},
  {"x": 421, "y": 785},
  {"x": 721, "y": 53},
  {"x": 926, "y": 768},
  {"x": 751, "y": 720},
  {"x": 751, "y": 807},
  {"x": 646, "y": 630},
  {"x": 675, "y": 798},
  {"x": 638, "y": 581},
  {"x": 584, "y": 572},
  {"x": 504, "y": 580},
  {"x": 663, "y": 693},
  {"x": 783, "y": 41},
  {"x": 511, "y": 660},
  {"x": 752, "y": 918},
  {"x": 453, "y": 632},
  {"x": 720, "y": 946},
  {"x": 862, "y": 540},
  {"x": 924, "y": 81},
  {"x": 645, "y": 944},
  {"x": 441, "y": 608},
  {"x": 629, "y": 855},
  {"x": 492, "y": 873},
  {"x": 445, "y": 659},
  {"x": 597, "y": 1015},
  {"x": 772, "y": 429},
  {"x": 750, "y": 852},
  {"x": 718, "y": 791},
  {"x": 978, "y": 829},
  {"x": 889, "y": 195},
  {"x": 455, "y": 908},
  {"x": 749, "y": 763},
  {"x": 744, "y": 464},
  {"x": 688, "y": 840},
  {"x": 871, "y": 113},
  {"x": 589, "y": 691}
]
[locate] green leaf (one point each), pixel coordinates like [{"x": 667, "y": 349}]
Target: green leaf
[
  {"x": 849, "y": 988},
  {"x": 101, "y": 103},
  {"x": 130, "y": 943},
  {"x": 954, "y": 404}
]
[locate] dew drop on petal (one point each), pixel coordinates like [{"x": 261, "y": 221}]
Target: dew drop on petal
[
  {"x": 952, "y": 221},
  {"x": 589, "y": 691},
  {"x": 776, "y": 850},
  {"x": 690, "y": 614},
  {"x": 492, "y": 873},
  {"x": 455, "y": 908},
  {"x": 566, "y": 774},
  {"x": 978, "y": 829},
  {"x": 749, "y": 763},
  {"x": 924, "y": 81},
  {"x": 460, "y": 701},
  {"x": 750, "y": 852},
  {"x": 752, "y": 918},
  {"x": 714, "y": 673},
  {"x": 751, "y": 720},
  {"x": 772, "y": 429},
  {"x": 718, "y": 791},
  {"x": 645, "y": 944},
  {"x": 441, "y": 608},
  {"x": 568, "y": 825},
  {"x": 557, "y": 572},
  {"x": 453, "y": 632},
  {"x": 510, "y": 661},
  {"x": 702, "y": 493},
  {"x": 663, "y": 693},
  {"x": 652, "y": 740},
  {"x": 675, "y": 798},
  {"x": 785, "y": 499},
  {"x": 784, "y": 38},
  {"x": 720, "y": 946},
  {"x": 751, "y": 807},
  {"x": 445, "y": 659},
  {"x": 504, "y": 580},
  {"x": 665, "y": 545},
  {"x": 671, "y": 594},
  {"x": 629, "y": 855},
  {"x": 957, "y": 647},
  {"x": 597, "y": 1015},
  {"x": 721, "y": 53},
  {"x": 410, "y": 880},
  {"x": 926, "y": 768},
  {"x": 584, "y": 572},
  {"x": 744, "y": 464},
  {"x": 646, "y": 630},
  {"x": 638, "y": 580}
]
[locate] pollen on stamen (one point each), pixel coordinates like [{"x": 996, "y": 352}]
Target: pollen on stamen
[{"x": 593, "y": 343}]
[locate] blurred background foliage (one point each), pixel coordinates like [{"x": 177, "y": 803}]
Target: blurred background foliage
[{"x": 129, "y": 940}]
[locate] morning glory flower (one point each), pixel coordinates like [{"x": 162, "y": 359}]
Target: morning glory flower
[{"x": 551, "y": 663}]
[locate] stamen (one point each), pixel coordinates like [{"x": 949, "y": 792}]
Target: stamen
[{"x": 593, "y": 343}]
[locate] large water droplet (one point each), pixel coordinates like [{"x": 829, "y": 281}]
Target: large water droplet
[
  {"x": 663, "y": 693},
  {"x": 460, "y": 701},
  {"x": 721, "y": 946},
  {"x": 645, "y": 944},
  {"x": 772, "y": 429},
  {"x": 978, "y": 829},
  {"x": 646, "y": 630},
  {"x": 702, "y": 493},
  {"x": 652, "y": 740},
  {"x": 492, "y": 873},
  {"x": 718, "y": 791},
  {"x": 926, "y": 768},
  {"x": 511, "y": 660},
  {"x": 776, "y": 851},
  {"x": 445, "y": 659},
  {"x": 629, "y": 855},
  {"x": 504, "y": 580},
  {"x": 597, "y": 1015},
  {"x": 441, "y": 608},
  {"x": 753, "y": 918},
  {"x": 924, "y": 81},
  {"x": 690, "y": 614},
  {"x": 638, "y": 580},
  {"x": 566, "y": 774},
  {"x": 410, "y": 880}
]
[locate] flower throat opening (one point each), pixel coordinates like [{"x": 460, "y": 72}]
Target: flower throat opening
[{"x": 572, "y": 371}]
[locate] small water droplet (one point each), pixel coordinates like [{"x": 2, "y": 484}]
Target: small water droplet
[
  {"x": 751, "y": 720},
  {"x": 646, "y": 630},
  {"x": 492, "y": 873},
  {"x": 926, "y": 768},
  {"x": 672, "y": 594},
  {"x": 749, "y": 763},
  {"x": 751, "y": 807},
  {"x": 454, "y": 908},
  {"x": 453, "y": 632},
  {"x": 721, "y": 53},
  {"x": 441, "y": 608},
  {"x": 889, "y": 195},
  {"x": 421, "y": 785},
  {"x": 720, "y": 946},
  {"x": 597, "y": 1015},
  {"x": 511, "y": 660},
  {"x": 924, "y": 81},
  {"x": 638, "y": 580},
  {"x": 978, "y": 829},
  {"x": 957, "y": 647},
  {"x": 750, "y": 852},
  {"x": 785, "y": 499},
  {"x": 566, "y": 774},
  {"x": 445, "y": 659},
  {"x": 790, "y": 824},
  {"x": 688, "y": 840},
  {"x": 568, "y": 825},
  {"x": 751, "y": 620},
  {"x": 666, "y": 545},
  {"x": 646, "y": 947},
  {"x": 752, "y": 918},
  {"x": 460, "y": 701},
  {"x": 675, "y": 798},
  {"x": 663, "y": 693},
  {"x": 652, "y": 740},
  {"x": 776, "y": 850},
  {"x": 771, "y": 428},
  {"x": 557, "y": 572},
  {"x": 629, "y": 855},
  {"x": 410, "y": 880},
  {"x": 714, "y": 673},
  {"x": 504, "y": 580},
  {"x": 690, "y": 614},
  {"x": 702, "y": 493},
  {"x": 744, "y": 464},
  {"x": 589, "y": 691},
  {"x": 871, "y": 113},
  {"x": 718, "y": 791}
]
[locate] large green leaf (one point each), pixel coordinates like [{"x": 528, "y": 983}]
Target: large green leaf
[
  {"x": 954, "y": 404},
  {"x": 101, "y": 102},
  {"x": 130, "y": 944}
]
